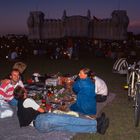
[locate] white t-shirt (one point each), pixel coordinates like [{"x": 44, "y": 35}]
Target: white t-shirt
[
  {"x": 100, "y": 86},
  {"x": 19, "y": 83},
  {"x": 30, "y": 103}
]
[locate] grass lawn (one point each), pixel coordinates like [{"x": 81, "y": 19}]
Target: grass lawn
[{"x": 120, "y": 111}]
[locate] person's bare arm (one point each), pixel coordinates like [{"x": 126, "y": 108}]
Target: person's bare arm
[
  {"x": 41, "y": 110},
  {"x": 6, "y": 81}
]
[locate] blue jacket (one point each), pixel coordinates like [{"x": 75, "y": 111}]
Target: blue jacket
[{"x": 86, "y": 97}]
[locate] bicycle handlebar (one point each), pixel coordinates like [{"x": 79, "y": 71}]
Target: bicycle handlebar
[{"x": 134, "y": 67}]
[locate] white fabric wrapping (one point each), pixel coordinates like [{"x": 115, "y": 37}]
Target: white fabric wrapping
[{"x": 5, "y": 110}]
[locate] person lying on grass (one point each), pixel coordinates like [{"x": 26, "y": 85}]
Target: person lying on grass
[{"x": 30, "y": 112}]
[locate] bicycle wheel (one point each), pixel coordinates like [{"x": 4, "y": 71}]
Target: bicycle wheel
[{"x": 137, "y": 105}]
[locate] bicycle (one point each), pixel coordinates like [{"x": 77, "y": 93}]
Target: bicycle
[
  {"x": 137, "y": 106},
  {"x": 133, "y": 79}
]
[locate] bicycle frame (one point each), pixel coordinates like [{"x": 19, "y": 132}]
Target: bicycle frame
[
  {"x": 137, "y": 83},
  {"x": 131, "y": 79},
  {"x": 137, "y": 99}
]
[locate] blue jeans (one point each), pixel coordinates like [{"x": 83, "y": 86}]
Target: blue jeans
[
  {"x": 61, "y": 122},
  {"x": 13, "y": 102}
]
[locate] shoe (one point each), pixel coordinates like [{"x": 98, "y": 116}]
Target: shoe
[
  {"x": 31, "y": 124},
  {"x": 102, "y": 115},
  {"x": 100, "y": 121},
  {"x": 101, "y": 118},
  {"x": 104, "y": 126}
]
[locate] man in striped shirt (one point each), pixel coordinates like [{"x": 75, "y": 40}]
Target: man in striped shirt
[{"x": 7, "y": 88}]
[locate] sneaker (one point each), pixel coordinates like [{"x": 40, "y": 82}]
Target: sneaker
[
  {"x": 104, "y": 126},
  {"x": 31, "y": 124}
]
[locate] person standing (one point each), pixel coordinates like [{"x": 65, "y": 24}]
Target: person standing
[
  {"x": 14, "y": 55},
  {"x": 70, "y": 48}
]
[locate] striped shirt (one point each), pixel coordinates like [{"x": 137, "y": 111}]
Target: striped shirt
[{"x": 7, "y": 89}]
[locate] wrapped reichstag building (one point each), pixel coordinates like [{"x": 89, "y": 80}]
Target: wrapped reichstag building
[{"x": 113, "y": 28}]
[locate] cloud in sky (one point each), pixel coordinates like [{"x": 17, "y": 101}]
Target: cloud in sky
[{"x": 134, "y": 26}]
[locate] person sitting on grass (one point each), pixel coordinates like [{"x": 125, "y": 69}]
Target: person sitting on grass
[
  {"x": 5, "y": 109},
  {"x": 30, "y": 112},
  {"x": 84, "y": 88},
  {"x": 101, "y": 88},
  {"x": 8, "y": 85}
]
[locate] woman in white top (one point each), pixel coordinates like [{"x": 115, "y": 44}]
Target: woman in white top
[{"x": 101, "y": 89}]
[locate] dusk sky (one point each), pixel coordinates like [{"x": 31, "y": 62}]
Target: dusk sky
[{"x": 14, "y": 13}]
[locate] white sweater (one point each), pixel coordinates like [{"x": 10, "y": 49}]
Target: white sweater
[{"x": 100, "y": 86}]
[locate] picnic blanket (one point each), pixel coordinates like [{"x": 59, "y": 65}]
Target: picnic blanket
[{"x": 10, "y": 130}]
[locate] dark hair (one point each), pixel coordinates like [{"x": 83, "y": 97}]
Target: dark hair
[
  {"x": 92, "y": 75},
  {"x": 86, "y": 71},
  {"x": 89, "y": 73},
  {"x": 19, "y": 93}
]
